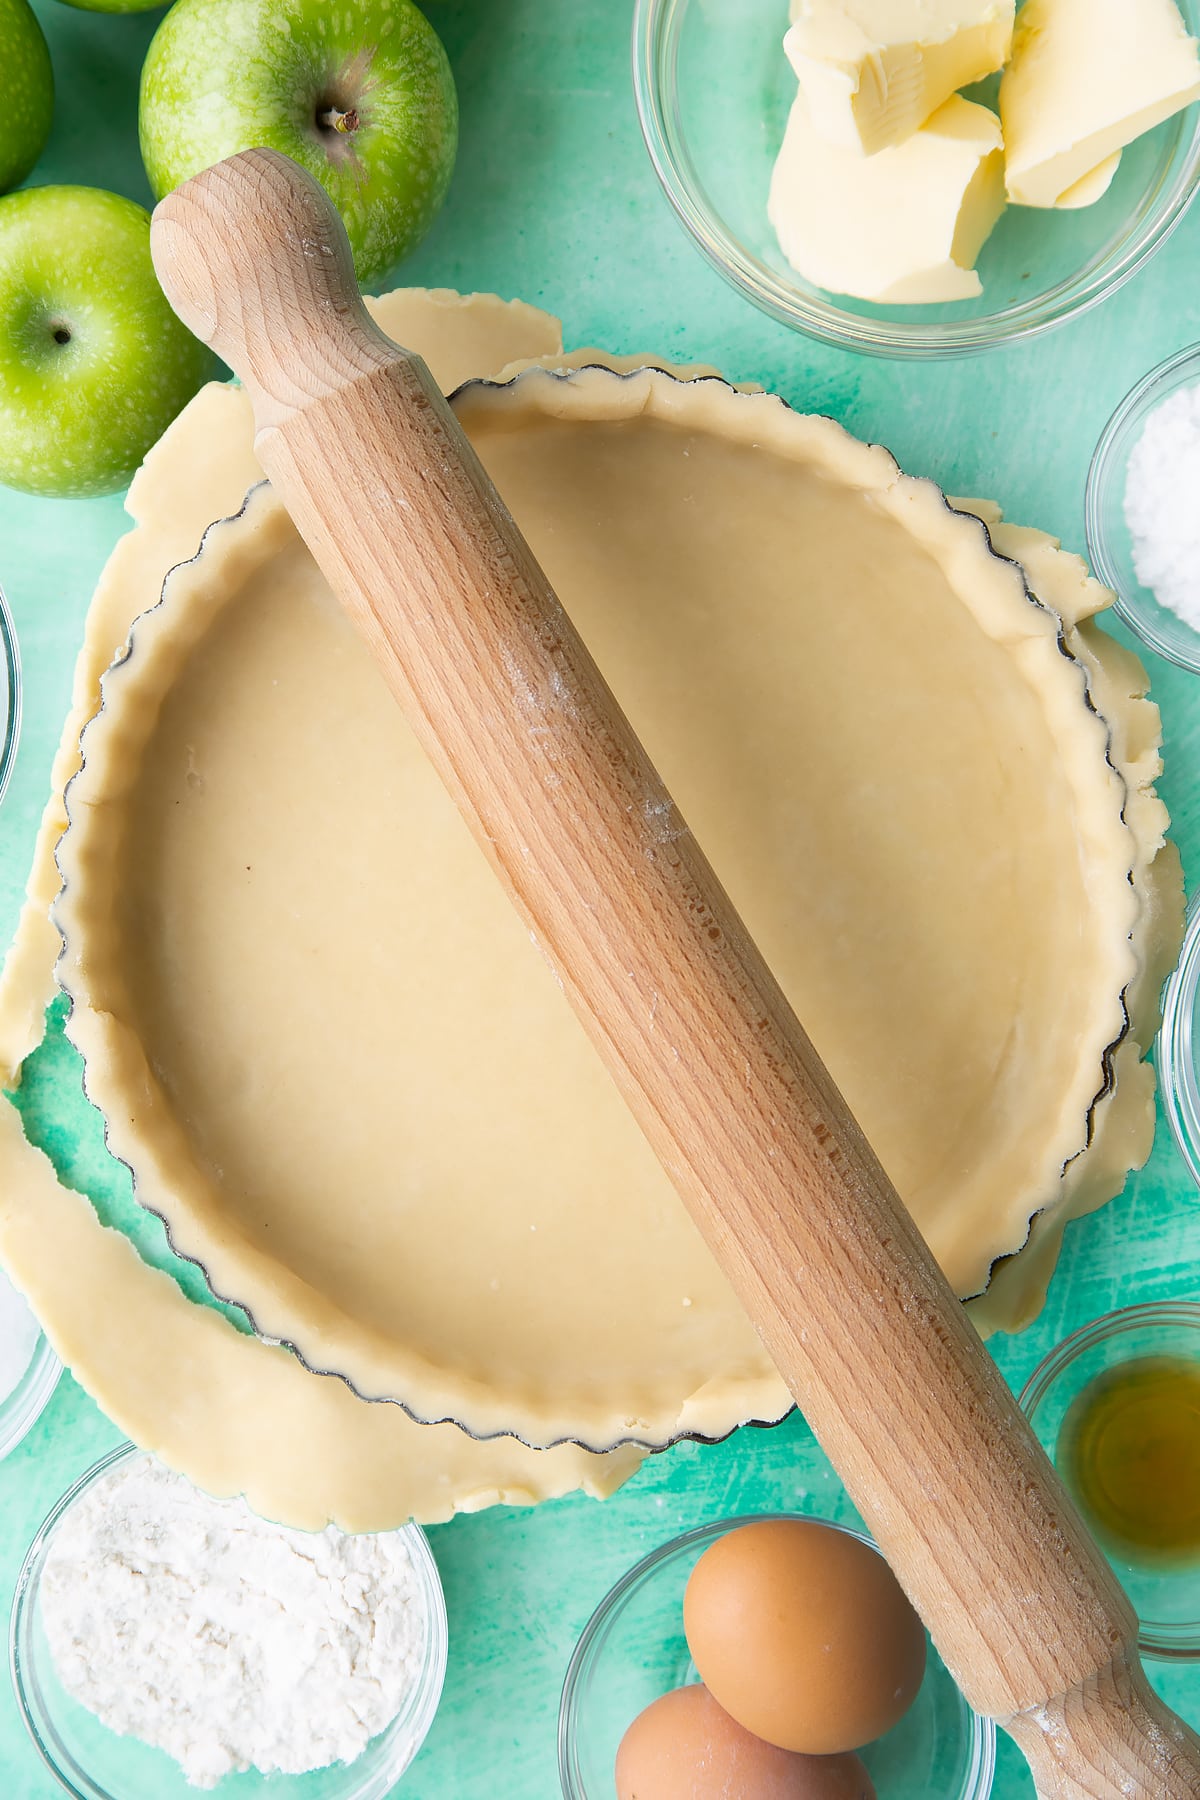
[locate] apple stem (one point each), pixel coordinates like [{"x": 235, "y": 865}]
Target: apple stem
[{"x": 332, "y": 118}]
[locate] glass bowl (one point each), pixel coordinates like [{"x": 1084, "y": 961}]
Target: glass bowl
[
  {"x": 714, "y": 88},
  {"x": 633, "y": 1649},
  {"x": 21, "y": 1408},
  {"x": 10, "y": 694},
  {"x": 93, "y": 1763},
  {"x": 1166, "y": 1595},
  {"x": 1177, "y": 1045},
  {"x": 1109, "y": 543}
]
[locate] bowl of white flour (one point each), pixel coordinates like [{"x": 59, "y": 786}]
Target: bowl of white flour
[
  {"x": 1143, "y": 509},
  {"x": 164, "y": 1642}
]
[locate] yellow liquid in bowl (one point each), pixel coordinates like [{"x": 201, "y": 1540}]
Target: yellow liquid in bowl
[{"x": 1129, "y": 1449}]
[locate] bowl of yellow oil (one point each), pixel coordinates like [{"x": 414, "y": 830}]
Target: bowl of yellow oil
[{"x": 1117, "y": 1408}]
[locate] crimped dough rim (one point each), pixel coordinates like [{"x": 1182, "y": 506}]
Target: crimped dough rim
[{"x": 1127, "y": 836}]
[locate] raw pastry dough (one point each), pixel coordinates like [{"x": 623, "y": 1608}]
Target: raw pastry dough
[
  {"x": 238, "y": 1415},
  {"x": 235, "y": 1414},
  {"x": 340, "y": 1070}
]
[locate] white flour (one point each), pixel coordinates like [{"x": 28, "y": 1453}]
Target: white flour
[
  {"x": 1162, "y": 504},
  {"x": 229, "y": 1643}
]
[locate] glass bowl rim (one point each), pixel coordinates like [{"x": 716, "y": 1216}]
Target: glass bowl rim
[
  {"x": 980, "y": 1775},
  {"x": 411, "y": 1724},
  {"x": 822, "y": 319},
  {"x": 10, "y": 654},
  {"x": 1101, "y": 471},
  {"x": 1115, "y": 1324},
  {"x": 1176, "y": 1064},
  {"x": 23, "y": 1405},
  {"x": 1165, "y": 1641}
]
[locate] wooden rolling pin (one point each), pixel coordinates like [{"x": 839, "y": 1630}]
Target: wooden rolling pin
[{"x": 562, "y": 798}]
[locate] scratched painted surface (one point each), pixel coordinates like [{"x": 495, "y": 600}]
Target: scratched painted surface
[{"x": 554, "y": 200}]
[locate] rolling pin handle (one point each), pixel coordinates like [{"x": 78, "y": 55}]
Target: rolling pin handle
[{"x": 255, "y": 261}]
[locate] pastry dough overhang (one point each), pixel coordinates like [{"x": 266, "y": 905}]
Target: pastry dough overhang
[{"x": 339, "y": 1069}]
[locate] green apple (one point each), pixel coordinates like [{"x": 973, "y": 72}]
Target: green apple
[
  {"x": 94, "y": 365},
  {"x": 361, "y": 95},
  {"x": 28, "y": 92}
]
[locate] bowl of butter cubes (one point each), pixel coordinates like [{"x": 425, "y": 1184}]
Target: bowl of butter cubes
[{"x": 916, "y": 179}]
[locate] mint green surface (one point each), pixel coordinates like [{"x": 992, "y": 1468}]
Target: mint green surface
[{"x": 555, "y": 201}]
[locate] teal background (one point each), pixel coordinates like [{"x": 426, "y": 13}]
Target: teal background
[{"x": 554, "y": 200}]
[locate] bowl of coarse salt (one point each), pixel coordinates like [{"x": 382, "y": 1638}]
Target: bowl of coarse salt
[
  {"x": 1143, "y": 509},
  {"x": 164, "y": 1642}
]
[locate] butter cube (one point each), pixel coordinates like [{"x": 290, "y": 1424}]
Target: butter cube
[
  {"x": 873, "y": 71},
  {"x": 1086, "y": 78},
  {"x": 903, "y": 227},
  {"x": 1093, "y": 187}
]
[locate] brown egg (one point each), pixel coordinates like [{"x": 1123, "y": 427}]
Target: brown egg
[
  {"x": 804, "y": 1635},
  {"x": 684, "y": 1747}
]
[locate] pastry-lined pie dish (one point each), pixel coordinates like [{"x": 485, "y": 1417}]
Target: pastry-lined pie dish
[{"x": 343, "y": 1075}]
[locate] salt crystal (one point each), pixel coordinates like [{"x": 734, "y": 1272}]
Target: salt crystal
[
  {"x": 18, "y": 1336},
  {"x": 1162, "y": 504}
]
